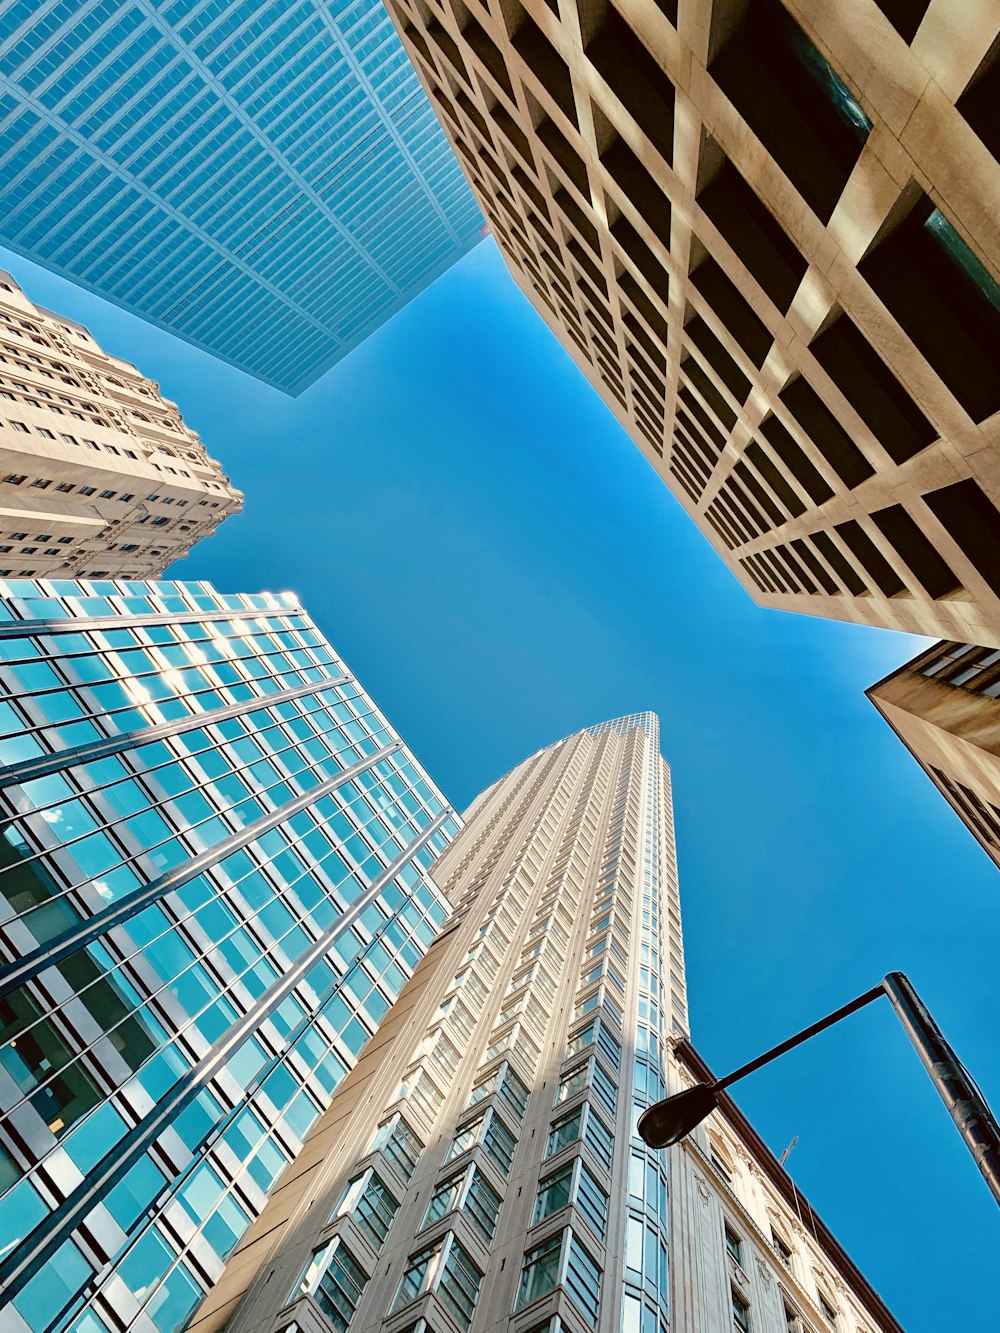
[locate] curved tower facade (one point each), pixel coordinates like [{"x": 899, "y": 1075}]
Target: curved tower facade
[{"x": 479, "y": 1171}]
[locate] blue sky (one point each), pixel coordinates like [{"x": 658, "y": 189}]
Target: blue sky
[{"x": 473, "y": 531}]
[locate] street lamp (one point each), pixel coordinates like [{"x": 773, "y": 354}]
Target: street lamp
[{"x": 671, "y": 1120}]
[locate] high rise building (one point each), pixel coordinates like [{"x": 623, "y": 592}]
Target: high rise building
[
  {"x": 214, "y": 882},
  {"x": 944, "y": 706},
  {"x": 263, "y": 178},
  {"x": 99, "y": 476},
  {"x": 767, "y": 233},
  {"x": 479, "y": 1169}
]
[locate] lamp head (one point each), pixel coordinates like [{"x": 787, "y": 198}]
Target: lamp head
[{"x": 669, "y": 1121}]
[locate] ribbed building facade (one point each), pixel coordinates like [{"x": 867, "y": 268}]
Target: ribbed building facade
[
  {"x": 944, "y": 706},
  {"x": 214, "y": 883},
  {"x": 479, "y": 1171},
  {"x": 264, "y": 178},
  {"x": 767, "y": 232},
  {"x": 99, "y": 476}
]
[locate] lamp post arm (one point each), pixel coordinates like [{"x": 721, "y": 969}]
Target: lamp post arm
[
  {"x": 966, "y": 1104},
  {"x": 800, "y": 1037}
]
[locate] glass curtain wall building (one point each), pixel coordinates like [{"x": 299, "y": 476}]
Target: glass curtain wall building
[
  {"x": 264, "y": 178},
  {"x": 479, "y": 1170},
  {"x": 214, "y": 882}
]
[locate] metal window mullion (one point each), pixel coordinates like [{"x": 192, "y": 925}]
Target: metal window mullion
[
  {"x": 98, "y": 651},
  {"x": 246, "y": 922},
  {"x": 129, "y": 858},
  {"x": 18, "y": 1269},
  {"x": 443, "y": 1255},
  {"x": 61, "y": 946},
  {"x": 16, "y": 629},
  {"x": 154, "y": 805}
]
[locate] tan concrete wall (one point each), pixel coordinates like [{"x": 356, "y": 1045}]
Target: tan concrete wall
[
  {"x": 76, "y": 423},
  {"x": 543, "y": 125}
]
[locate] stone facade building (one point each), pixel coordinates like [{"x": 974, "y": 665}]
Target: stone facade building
[
  {"x": 99, "y": 476},
  {"x": 944, "y": 706},
  {"x": 768, "y": 232},
  {"x": 479, "y": 1170}
]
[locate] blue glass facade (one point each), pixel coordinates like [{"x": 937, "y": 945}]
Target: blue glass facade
[
  {"x": 264, "y": 178},
  {"x": 213, "y": 883}
]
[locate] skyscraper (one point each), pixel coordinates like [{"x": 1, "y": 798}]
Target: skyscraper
[
  {"x": 944, "y": 706},
  {"x": 264, "y": 178},
  {"x": 99, "y": 476},
  {"x": 767, "y": 234},
  {"x": 479, "y": 1169},
  {"x": 214, "y": 882}
]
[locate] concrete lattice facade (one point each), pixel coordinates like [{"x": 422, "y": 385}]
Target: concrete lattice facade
[
  {"x": 945, "y": 708},
  {"x": 99, "y": 476},
  {"x": 768, "y": 234},
  {"x": 214, "y": 883},
  {"x": 479, "y": 1169}
]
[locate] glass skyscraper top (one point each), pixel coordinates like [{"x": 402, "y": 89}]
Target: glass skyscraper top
[
  {"x": 264, "y": 178},
  {"x": 213, "y": 884}
]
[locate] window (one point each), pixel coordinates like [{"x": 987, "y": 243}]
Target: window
[
  {"x": 573, "y": 1082},
  {"x": 470, "y": 1192},
  {"x": 829, "y": 1313},
  {"x": 494, "y": 1135},
  {"x": 65, "y": 487},
  {"x": 945, "y": 300},
  {"x": 399, "y": 1144},
  {"x": 511, "y": 1088},
  {"x": 561, "y": 1259},
  {"x": 741, "y": 1313},
  {"x": 482, "y": 1203},
  {"x": 564, "y": 1131},
  {"x": 540, "y": 1271},
  {"x": 20, "y": 426},
  {"x": 500, "y": 1143},
  {"x": 721, "y": 1163},
  {"x": 591, "y": 1201},
  {"x": 446, "y": 1269},
  {"x": 372, "y": 1205},
  {"x": 734, "y": 1245},
  {"x": 336, "y": 1283},
  {"x": 971, "y": 519},
  {"x": 554, "y": 1192},
  {"x": 459, "y": 1285},
  {"x": 794, "y": 102},
  {"x": 87, "y": 490},
  {"x": 793, "y": 1324},
  {"x": 14, "y": 478},
  {"x": 782, "y": 1250}
]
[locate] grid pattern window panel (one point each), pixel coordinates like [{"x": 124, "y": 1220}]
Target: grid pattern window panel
[
  {"x": 283, "y": 844},
  {"x": 141, "y": 207}
]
